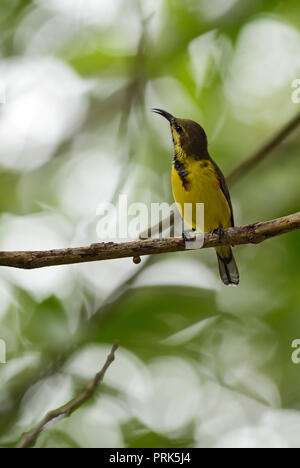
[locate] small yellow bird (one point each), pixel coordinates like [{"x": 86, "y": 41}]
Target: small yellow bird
[{"x": 196, "y": 178}]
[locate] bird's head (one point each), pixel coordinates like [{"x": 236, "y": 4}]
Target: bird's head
[{"x": 189, "y": 138}]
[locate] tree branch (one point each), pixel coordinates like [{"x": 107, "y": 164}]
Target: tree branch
[
  {"x": 29, "y": 439},
  {"x": 248, "y": 234},
  {"x": 258, "y": 156}
]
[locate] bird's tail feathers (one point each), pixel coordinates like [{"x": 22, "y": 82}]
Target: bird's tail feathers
[{"x": 228, "y": 269}]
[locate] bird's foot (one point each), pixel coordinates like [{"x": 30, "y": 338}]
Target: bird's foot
[
  {"x": 219, "y": 231},
  {"x": 189, "y": 236},
  {"x": 193, "y": 240}
]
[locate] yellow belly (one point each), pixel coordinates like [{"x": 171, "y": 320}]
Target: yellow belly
[{"x": 201, "y": 186}]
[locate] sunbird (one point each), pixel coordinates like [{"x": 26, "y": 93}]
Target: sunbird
[{"x": 196, "y": 178}]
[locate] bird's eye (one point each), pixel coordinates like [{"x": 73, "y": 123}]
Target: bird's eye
[{"x": 178, "y": 129}]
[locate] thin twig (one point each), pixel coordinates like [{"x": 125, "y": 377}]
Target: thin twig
[
  {"x": 29, "y": 439},
  {"x": 248, "y": 234},
  {"x": 258, "y": 156}
]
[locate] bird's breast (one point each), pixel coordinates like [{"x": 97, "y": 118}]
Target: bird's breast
[{"x": 197, "y": 182}]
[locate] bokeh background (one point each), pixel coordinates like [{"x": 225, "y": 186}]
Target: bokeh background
[{"x": 200, "y": 365}]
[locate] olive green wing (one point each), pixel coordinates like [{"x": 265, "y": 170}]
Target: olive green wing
[{"x": 224, "y": 188}]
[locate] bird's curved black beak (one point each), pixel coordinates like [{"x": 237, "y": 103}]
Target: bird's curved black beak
[{"x": 165, "y": 114}]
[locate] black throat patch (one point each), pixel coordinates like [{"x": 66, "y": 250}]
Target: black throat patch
[{"x": 182, "y": 172}]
